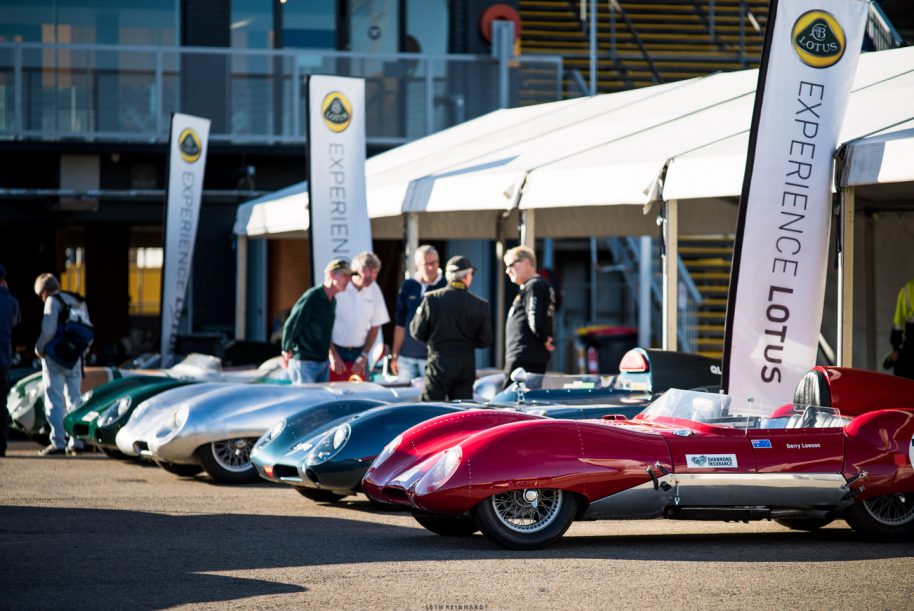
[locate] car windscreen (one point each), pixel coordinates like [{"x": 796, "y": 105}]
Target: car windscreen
[{"x": 725, "y": 410}]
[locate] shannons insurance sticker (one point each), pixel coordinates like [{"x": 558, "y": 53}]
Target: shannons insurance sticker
[{"x": 711, "y": 461}]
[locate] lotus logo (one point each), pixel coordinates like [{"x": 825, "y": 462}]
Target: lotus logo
[
  {"x": 336, "y": 111},
  {"x": 818, "y": 39},
  {"x": 189, "y": 145}
]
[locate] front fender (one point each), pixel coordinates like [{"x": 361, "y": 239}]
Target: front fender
[{"x": 590, "y": 459}]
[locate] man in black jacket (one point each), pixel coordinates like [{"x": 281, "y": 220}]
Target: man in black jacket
[
  {"x": 9, "y": 316},
  {"x": 529, "y": 328},
  {"x": 453, "y": 322}
]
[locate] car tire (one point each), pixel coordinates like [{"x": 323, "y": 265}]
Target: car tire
[
  {"x": 890, "y": 516},
  {"x": 229, "y": 461},
  {"x": 807, "y": 524},
  {"x": 526, "y": 519},
  {"x": 447, "y": 526},
  {"x": 180, "y": 470},
  {"x": 319, "y": 496}
]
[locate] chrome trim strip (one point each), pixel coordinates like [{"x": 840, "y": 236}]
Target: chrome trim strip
[{"x": 721, "y": 490}]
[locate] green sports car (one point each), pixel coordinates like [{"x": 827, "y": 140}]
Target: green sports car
[{"x": 101, "y": 416}]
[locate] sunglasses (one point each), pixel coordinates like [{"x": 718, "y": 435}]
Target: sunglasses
[{"x": 512, "y": 264}]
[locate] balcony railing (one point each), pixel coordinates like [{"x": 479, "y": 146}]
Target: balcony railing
[{"x": 127, "y": 93}]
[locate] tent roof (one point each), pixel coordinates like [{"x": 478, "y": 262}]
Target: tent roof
[
  {"x": 283, "y": 213},
  {"x": 880, "y": 97}
]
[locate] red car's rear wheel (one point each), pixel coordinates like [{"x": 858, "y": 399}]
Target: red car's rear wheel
[
  {"x": 526, "y": 519},
  {"x": 886, "y": 516}
]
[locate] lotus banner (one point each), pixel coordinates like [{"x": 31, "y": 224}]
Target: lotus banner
[
  {"x": 777, "y": 283},
  {"x": 339, "y": 224},
  {"x": 186, "y": 162}
]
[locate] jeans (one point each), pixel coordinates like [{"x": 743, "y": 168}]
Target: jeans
[
  {"x": 61, "y": 395},
  {"x": 409, "y": 368},
  {"x": 306, "y": 372}
]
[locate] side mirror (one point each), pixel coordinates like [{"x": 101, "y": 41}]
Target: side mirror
[{"x": 519, "y": 375}]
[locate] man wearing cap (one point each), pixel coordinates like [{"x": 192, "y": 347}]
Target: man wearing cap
[
  {"x": 306, "y": 334},
  {"x": 528, "y": 330},
  {"x": 61, "y": 382},
  {"x": 453, "y": 322},
  {"x": 360, "y": 312},
  {"x": 9, "y": 317}
]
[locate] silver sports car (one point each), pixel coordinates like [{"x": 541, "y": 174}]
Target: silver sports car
[{"x": 212, "y": 427}]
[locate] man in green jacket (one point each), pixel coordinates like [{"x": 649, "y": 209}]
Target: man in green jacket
[{"x": 307, "y": 332}]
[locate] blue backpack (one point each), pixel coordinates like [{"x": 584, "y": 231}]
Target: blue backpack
[{"x": 72, "y": 339}]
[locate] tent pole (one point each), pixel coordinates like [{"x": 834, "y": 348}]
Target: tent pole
[
  {"x": 528, "y": 229},
  {"x": 411, "y": 242},
  {"x": 644, "y": 293},
  {"x": 241, "y": 286},
  {"x": 846, "y": 278},
  {"x": 499, "y": 293},
  {"x": 670, "y": 273}
]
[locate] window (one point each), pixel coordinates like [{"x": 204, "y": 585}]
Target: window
[{"x": 145, "y": 281}]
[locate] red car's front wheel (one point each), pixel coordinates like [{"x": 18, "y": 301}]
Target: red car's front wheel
[
  {"x": 530, "y": 518},
  {"x": 883, "y": 517}
]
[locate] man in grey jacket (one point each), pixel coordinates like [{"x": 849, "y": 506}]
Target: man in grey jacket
[{"x": 61, "y": 383}]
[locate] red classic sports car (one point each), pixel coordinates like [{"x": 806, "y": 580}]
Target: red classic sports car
[{"x": 842, "y": 450}]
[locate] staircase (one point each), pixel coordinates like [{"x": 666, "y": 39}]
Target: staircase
[
  {"x": 650, "y": 41},
  {"x": 707, "y": 259}
]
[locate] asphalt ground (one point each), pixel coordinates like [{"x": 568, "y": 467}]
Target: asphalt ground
[{"x": 93, "y": 532}]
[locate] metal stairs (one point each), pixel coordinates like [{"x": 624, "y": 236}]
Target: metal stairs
[
  {"x": 707, "y": 259},
  {"x": 647, "y": 42}
]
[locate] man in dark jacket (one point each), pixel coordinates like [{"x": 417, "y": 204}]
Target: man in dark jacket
[
  {"x": 529, "y": 329},
  {"x": 9, "y": 316},
  {"x": 453, "y": 322}
]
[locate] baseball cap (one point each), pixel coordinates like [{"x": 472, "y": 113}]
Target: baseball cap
[
  {"x": 341, "y": 266},
  {"x": 459, "y": 264}
]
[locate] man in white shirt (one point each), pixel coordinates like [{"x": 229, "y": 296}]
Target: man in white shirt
[{"x": 360, "y": 312}]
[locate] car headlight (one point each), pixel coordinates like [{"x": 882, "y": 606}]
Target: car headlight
[
  {"x": 272, "y": 434},
  {"x": 389, "y": 449},
  {"x": 329, "y": 445},
  {"x": 115, "y": 412},
  {"x": 179, "y": 417},
  {"x": 442, "y": 470}
]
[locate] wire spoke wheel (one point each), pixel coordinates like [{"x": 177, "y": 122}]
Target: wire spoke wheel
[
  {"x": 234, "y": 454},
  {"x": 891, "y": 509},
  {"x": 527, "y": 511}
]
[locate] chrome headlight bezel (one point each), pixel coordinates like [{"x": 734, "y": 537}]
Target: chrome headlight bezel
[
  {"x": 329, "y": 445},
  {"x": 443, "y": 468},
  {"x": 274, "y": 432}
]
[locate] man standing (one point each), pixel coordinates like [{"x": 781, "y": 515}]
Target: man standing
[
  {"x": 409, "y": 355},
  {"x": 360, "y": 312},
  {"x": 529, "y": 328},
  {"x": 306, "y": 334},
  {"x": 453, "y": 322},
  {"x": 61, "y": 382},
  {"x": 9, "y": 317},
  {"x": 902, "y": 335}
]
